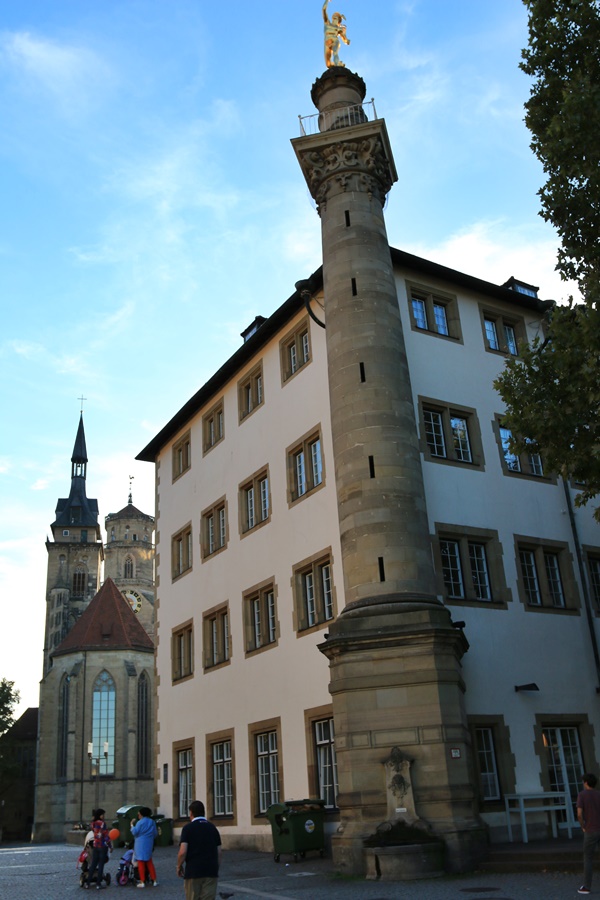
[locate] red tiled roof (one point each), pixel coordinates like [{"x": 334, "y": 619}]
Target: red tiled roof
[{"x": 108, "y": 623}]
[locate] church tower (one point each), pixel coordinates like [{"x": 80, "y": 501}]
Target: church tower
[
  {"x": 129, "y": 559},
  {"x": 75, "y": 553}
]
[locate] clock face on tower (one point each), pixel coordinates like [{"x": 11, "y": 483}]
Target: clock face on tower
[{"x": 134, "y": 600}]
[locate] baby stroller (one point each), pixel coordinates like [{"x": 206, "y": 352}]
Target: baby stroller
[
  {"x": 128, "y": 873},
  {"x": 85, "y": 857}
]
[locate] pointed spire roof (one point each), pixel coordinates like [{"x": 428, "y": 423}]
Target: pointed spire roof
[
  {"x": 77, "y": 509},
  {"x": 80, "y": 450},
  {"x": 108, "y": 623}
]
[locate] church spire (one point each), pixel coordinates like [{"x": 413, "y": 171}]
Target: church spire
[
  {"x": 78, "y": 509},
  {"x": 79, "y": 458}
]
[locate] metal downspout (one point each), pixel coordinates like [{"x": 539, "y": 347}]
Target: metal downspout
[{"x": 584, "y": 583}]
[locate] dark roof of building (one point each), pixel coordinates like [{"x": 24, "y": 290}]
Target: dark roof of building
[
  {"x": 129, "y": 512},
  {"x": 292, "y": 305},
  {"x": 25, "y": 728},
  {"x": 108, "y": 623}
]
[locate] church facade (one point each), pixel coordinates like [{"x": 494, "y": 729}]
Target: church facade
[
  {"x": 96, "y": 725},
  {"x": 351, "y": 562}
]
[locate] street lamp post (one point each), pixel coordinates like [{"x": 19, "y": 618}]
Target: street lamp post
[{"x": 96, "y": 759}]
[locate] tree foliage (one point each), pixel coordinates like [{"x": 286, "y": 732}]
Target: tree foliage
[
  {"x": 552, "y": 393},
  {"x": 9, "y": 698}
]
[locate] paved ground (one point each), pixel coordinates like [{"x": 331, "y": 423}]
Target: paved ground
[{"x": 48, "y": 872}]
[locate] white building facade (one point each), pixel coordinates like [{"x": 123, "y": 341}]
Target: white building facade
[{"x": 249, "y": 572}]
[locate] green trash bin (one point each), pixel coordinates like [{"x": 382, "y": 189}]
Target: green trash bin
[
  {"x": 124, "y": 816},
  {"x": 297, "y": 826},
  {"x": 165, "y": 831}
]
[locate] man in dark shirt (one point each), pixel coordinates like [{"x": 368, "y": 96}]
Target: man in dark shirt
[
  {"x": 588, "y": 813},
  {"x": 199, "y": 855}
]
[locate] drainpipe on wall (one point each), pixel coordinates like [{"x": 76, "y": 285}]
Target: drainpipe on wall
[
  {"x": 82, "y": 736},
  {"x": 584, "y": 583}
]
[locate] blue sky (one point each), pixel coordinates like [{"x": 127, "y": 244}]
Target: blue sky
[{"x": 152, "y": 205}]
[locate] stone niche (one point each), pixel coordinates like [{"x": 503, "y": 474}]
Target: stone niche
[{"x": 403, "y": 847}]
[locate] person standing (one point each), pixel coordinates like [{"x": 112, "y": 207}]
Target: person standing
[
  {"x": 100, "y": 847},
  {"x": 588, "y": 814},
  {"x": 199, "y": 855},
  {"x": 144, "y": 832}
]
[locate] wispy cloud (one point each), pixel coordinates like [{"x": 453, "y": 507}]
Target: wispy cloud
[
  {"x": 70, "y": 75},
  {"x": 494, "y": 250}
]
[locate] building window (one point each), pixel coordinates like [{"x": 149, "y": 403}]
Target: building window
[
  {"x": 326, "y": 761},
  {"x": 434, "y": 313},
  {"x": 222, "y": 778},
  {"x": 185, "y": 780},
  {"x": 103, "y": 723},
  {"x": 181, "y": 550},
  {"x": 217, "y": 649},
  {"x": 502, "y": 334},
  {"x": 518, "y": 464},
  {"x": 255, "y": 506},
  {"x": 260, "y": 617},
  {"x": 128, "y": 568},
  {"x": 213, "y": 426},
  {"x": 450, "y": 434},
  {"x": 267, "y": 766},
  {"x": 295, "y": 350},
  {"x": 545, "y": 576},
  {"x": 488, "y": 768},
  {"x": 594, "y": 573},
  {"x": 63, "y": 728},
  {"x": 143, "y": 726},
  {"x": 493, "y": 759},
  {"x": 305, "y": 466},
  {"x": 182, "y": 651},
  {"x": 250, "y": 392},
  {"x": 79, "y": 581},
  {"x": 314, "y": 599},
  {"x": 214, "y": 528},
  {"x": 182, "y": 459},
  {"x": 469, "y": 565}
]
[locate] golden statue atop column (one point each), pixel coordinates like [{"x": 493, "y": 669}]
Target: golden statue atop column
[{"x": 334, "y": 33}]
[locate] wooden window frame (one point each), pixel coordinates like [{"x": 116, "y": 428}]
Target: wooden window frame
[
  {"x": 220, "y": 534},
  {"x": 465, "y": 535},
  {"x": 216, "y": 637},
  {"x": 254, "y": 729},
  {"x": 260, "y": 593},
  {"x": 251, "y": 392},
  {"x": 213, "y": 739},
  {"x": 500, "y": 319},
  {"x": 539, "y": 547},
  {"x": 182, "y": 455},
  {"x": 188, "y": 744},
  {"x": 213, "y": 427},
  {"x": 448, "y": 411},
  {"x": 430, "y": 299},
  {"x": 313, "y": 565},
  {"x": 182, "y": 652},
  {"x": 304, "y": 445},
  {"x": 295, "y": 350},
  {"x": 254, "y": 483},
  {"x": 182, "y": 552}
]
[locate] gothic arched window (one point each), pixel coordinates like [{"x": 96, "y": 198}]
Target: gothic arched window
[
  {"x": 63, "y": 728},
  {"x": 143, "y": 725},
  {"x": 128, "y": 568},
  {"x": 79, "y": 581},
  {"x": 103, "y": 722}
]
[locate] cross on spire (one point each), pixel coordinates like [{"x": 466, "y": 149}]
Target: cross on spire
[{"x": 81, "y": 399}]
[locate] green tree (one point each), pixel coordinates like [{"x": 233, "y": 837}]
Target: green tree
[
  {"x": 9, "y": 698},
  {"x": 552, "y": 392}
]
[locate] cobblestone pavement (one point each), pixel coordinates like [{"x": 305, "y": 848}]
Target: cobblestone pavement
[{"x": 48, "y": 872}]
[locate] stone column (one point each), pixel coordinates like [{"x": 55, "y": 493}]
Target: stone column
[{"x": 394, "y": 656}]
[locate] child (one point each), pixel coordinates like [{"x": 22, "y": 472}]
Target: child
[{"x": 144, "y": 832}]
